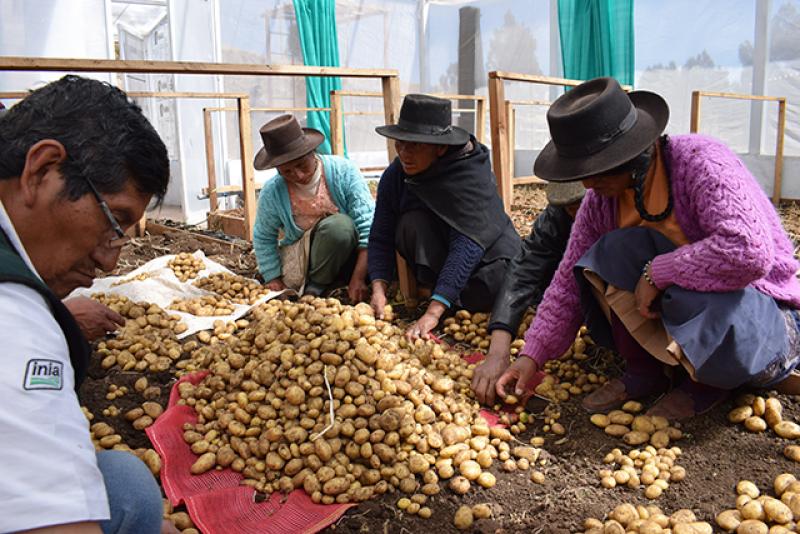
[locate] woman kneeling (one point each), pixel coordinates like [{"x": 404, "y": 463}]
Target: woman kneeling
[
  {"x": 677, "y": 258},
  {"x": 324, "y": 208},
  {"x": 438, "y": 207}
]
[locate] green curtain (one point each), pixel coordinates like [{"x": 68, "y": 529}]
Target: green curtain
[
  {"x": 597, "y": 39},
  {"x": 316, "y": 23}
]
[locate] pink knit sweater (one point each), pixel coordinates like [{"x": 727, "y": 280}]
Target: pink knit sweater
[{"x": 736, "y": 240}]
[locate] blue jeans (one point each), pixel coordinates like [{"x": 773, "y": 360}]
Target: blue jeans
[{"x": 133, "y": 495}]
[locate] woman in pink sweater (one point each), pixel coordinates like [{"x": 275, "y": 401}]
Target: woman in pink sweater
[{"x": 677, "y": 259}]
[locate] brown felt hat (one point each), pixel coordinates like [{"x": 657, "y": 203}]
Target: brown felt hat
[
  {"x": 564, "y": 193},
  {"x": 596, "y": 127},
  {"x": 284, "y": 141}
]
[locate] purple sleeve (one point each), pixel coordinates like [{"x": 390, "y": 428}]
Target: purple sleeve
[
  {"x": 730, "y": 211},
  {"x": 559, "y": 315}
]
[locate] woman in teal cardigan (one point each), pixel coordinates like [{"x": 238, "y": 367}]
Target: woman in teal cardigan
[{"x": 323, "y": 207}]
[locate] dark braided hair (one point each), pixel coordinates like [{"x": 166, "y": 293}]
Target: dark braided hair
[{"x": 639, "y": 167}]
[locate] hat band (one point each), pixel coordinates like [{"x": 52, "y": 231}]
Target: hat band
[
  {"x": 596, "y": 145},
  {"x": 427, "y": 129}
]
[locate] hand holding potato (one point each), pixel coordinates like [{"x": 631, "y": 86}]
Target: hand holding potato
[
  {"x": 378, "y": 301},
  {"x": 492, "y": 368},
  {"x": 93, "y": 318},
  {"x": 519, "y": 373},
  {"x": 422, "y": 328}
]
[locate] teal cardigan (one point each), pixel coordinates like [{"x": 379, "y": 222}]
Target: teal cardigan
[{"x": 349, "y": 192}]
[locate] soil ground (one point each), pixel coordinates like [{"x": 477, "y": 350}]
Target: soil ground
[{"x": 716, "y": 454}]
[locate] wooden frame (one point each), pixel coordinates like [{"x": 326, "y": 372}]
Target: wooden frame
[
  {"x": 499, "y": 120},
  {"x": 390, "y": 85},
  {"x": 338, "y": 114},
  {"x": 242, "y": 100},
  {"x": 781, "y": 100}
]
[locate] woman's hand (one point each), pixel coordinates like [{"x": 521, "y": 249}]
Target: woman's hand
[
  {"x": 357, "y": 290},
  {"x": 426, "y": 323},
  {"x": 646, "y": 293},
  {"x": 518, "y": 374},
  {"x": 276, "y": 284},
  {"x": 378, "y": 301},
  {"x": 492, "y": 368}
]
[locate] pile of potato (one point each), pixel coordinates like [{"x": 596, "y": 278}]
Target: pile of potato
[
  {"x": 104, "y": 437},
  {"x": 137, "y": 278},
  {"x": 759, "y": 514},
  {"x": 403, "y": 416},
  {"x": 757, "y": 413},
  {"x": 472, "y": 329},
  {"x": 628, "y": 518},
  {"x": 205, "y": 306},
  {"x": 147, "y": 343},
  {"x": 181, "y": 520},
  {"x": 185, "y": 266},
  {"x": 236, "y": 289},
  {"x": 636, "y": 429},
  {"x": 147, "y": 316},
  {"x": 651, "y": 468}
]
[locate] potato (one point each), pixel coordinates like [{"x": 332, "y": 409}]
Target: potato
[
  {"x": 616, "y": 430},
  {"x": 755, "y": 424},
  {"x": 787, "y": 429},
  {"x": 470, "y": 470},
  {"x": 600, "y": 420},
  {"x": 783, "y": 480},
  {"x": 204, "y": 463},
  {"x": 753, "y": 510},
  {"x": 463, "y": 518},
  {"x": 425, "y": 512},
  {"x": 537, "y": 477},
  {"x": 153, "y": 461},
  {"x": 528, "y": 453},
  {"x": 152, "y": 409},
  {"x": 751, "y": 526},
  {"x": 624, "y": 514},
  {"x": 486, "y": 479},
  {"x": 632, "y": 406},
  {"x": 618, "y": 417},
  {"x": 746, "y": 487},
  {"x": 181, "y": 520},
  {"x": 335, "y": 486},
  {"x": 759, "y": 406},
  {"x": 481, "y": 511},
  {"x": 653, "y": 491},
  {"x": 459, "y": 485},
  {"x": 729, "y": 520},
  {"x": 660, "y": 439},
  {"x": 777, "y": 512},
  {"x": 772, "y": 411},
  {"x": 636, "y": 437},
  {"x": 683, "y": 515},
  {"x": 694, "y": 527},
  {"x": 613, "y": 527}
]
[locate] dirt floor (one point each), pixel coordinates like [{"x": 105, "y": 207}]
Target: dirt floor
[{"x": 716, "y": 453}]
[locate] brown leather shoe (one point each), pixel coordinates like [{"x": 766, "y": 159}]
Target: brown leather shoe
[
  {"x": 611, "y": 395},
  {"x": 789, "y": 385}
]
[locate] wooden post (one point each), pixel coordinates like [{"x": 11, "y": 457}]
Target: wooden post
[
  {"x": 694, "y": 125},
  {"x": 141, "y": 226},
  {"x": 248, "y": 180},
  {"x": 408, "y": 283},
  {"x": 213, "y": 202},
  {"x": 499, "y": 123},
  {"x": 337, "y": 124},
  {"x": 391, "y": 108},
  {"x": 777, "y": 185},
  {"x": 480, "y": 119},
  {"x": 512, "y": 141}
]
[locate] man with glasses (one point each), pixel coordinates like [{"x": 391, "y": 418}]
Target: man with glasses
[{"x": 79, "y": 164}]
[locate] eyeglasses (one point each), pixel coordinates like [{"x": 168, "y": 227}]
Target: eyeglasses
[{"x": 121, "y": 239}]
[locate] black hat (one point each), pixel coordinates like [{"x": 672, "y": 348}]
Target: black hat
[
  {"x": 597, "y": 126},
  {"x": 284, "y": 140},
  {"x": 425, "y": 119}
]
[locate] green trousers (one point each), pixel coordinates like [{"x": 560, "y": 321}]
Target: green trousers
[{"x": 333, "y": 243}]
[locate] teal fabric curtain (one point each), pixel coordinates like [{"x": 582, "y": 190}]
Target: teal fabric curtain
[
  {"x": 316, "y": 23},
  {"x": 597, "y": 39}
]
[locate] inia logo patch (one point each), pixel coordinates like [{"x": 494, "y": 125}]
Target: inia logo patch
[{"x": 44, "y": 374}]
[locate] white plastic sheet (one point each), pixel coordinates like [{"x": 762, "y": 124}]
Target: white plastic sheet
[{"x": 162, "y": 287}]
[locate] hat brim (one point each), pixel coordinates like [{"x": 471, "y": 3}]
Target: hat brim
[
  {"x": 264, "y": 161},
  {"x": 456, "y": 135},
  {"x": 653, "y": 115}
]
